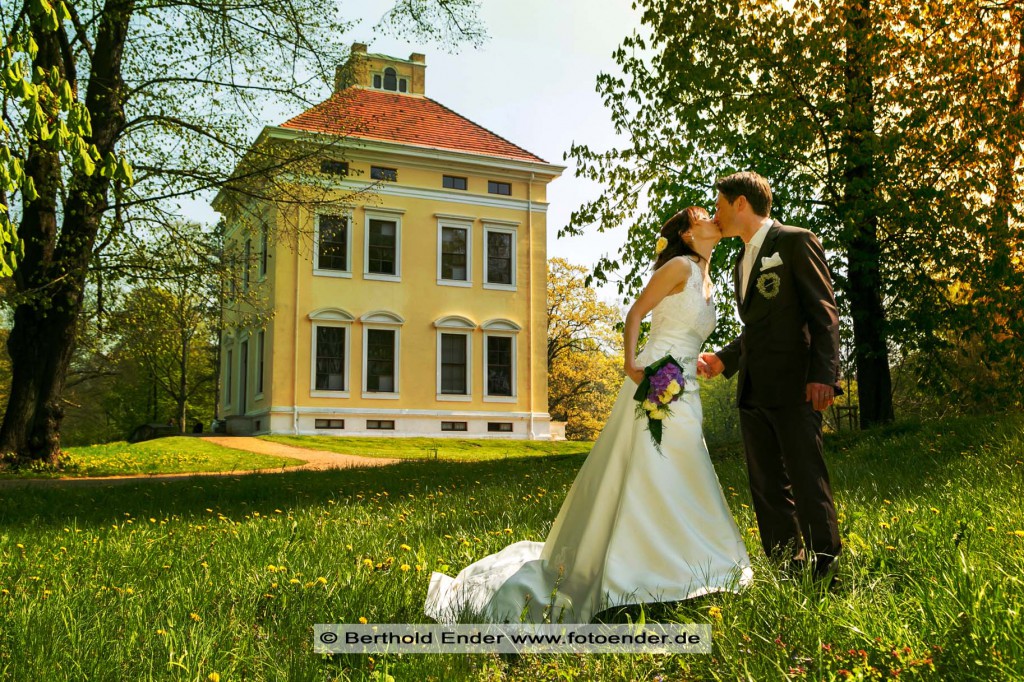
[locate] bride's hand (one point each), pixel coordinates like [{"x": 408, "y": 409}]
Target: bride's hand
[{"x": 635, "y": 373}]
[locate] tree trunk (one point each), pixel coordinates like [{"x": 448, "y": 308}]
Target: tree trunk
[
  {"x": 871, "y": 352},
  {"x": 53, "y": 273},
  {"x": 39, "y": 362},
  {"x": 1006, "y": 185},
  {"x": 183, "y": 378}
]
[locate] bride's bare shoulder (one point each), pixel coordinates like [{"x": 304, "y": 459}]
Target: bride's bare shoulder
[{"x": 678, "y": 269}]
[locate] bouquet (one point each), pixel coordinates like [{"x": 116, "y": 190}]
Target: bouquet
[{"x": 662, "y": 385}]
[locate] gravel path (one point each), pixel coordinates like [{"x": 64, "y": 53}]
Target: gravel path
[{"x": 316, "y": 460}]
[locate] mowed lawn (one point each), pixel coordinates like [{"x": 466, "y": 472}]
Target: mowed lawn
[
  {"x": 172, "y": 455},
  {"x": 454, "y": 449},
  {"x": 224, "y": 578}
]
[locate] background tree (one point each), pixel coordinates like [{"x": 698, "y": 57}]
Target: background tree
[
  {"x": 584, "y": 352},
  {"x": 163, "y": 95},
  {"x": 885, "y": 127}
]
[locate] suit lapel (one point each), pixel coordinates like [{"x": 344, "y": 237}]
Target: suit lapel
[{"x": 767, "y": 248}]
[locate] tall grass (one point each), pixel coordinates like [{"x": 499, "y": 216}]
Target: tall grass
[{"x": 180, "y": 580}]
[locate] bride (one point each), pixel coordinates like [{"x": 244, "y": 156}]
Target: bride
[{"x": 636, "y": 525}]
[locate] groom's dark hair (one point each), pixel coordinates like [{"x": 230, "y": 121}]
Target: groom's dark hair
[{"x": 749, "y": 185}]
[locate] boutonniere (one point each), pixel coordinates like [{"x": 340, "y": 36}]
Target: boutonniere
[
  {"x": 769, "y": 284},
  {"x": 772, "y": 261}
]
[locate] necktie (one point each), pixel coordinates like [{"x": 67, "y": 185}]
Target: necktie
[{"x": 748, "y": 266}]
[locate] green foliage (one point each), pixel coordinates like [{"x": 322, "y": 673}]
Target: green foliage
[
  {"x": 711, "y": 87},
  {"x": 721, "y": 416},
  {"x": 170, "y": 95},
  {"x": 584, "y": 352},
  {"x": 49, "y": 116}
]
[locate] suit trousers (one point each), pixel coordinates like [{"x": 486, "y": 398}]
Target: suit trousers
[{"x": 789, "y": 482}]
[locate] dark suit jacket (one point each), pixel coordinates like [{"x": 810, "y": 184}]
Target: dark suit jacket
[{"x": 789, "y": 339}]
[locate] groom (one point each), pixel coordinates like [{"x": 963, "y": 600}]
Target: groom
[{"x": 787, "y": 357}]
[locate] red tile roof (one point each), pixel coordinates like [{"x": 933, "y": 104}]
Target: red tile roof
[{"x": 377, "y": 115}]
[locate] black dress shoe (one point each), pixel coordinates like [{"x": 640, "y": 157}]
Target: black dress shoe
[{"x": 827, "y": 572}]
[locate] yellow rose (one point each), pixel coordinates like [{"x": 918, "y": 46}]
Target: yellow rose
[
  {"x": 660, "y": 245},
  {"x": 674, "y": 387},
  {"x": 658, "y": 414},
  {"x": 648, "y": 405}
]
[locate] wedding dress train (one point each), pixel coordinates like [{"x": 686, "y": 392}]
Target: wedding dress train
[{"x": 636, "y": 526}]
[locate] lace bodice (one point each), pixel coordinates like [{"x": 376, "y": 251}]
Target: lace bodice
[{"x": 680, "y": 323}]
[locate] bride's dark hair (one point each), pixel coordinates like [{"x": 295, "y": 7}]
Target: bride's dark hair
[{"x": 673, "y": 231}]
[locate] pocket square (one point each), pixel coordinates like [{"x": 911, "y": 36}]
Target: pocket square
[{"x": 772, "y": 261}]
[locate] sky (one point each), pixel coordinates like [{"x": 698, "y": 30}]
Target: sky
[{"x": 532, "y": 81}]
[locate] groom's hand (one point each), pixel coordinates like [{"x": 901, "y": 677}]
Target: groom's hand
[
  {"x": 709, "y": 365},
  {"x": 820, "y": 395}
]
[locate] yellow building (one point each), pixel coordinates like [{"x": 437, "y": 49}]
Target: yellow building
[{"x": 417, "y": 307}]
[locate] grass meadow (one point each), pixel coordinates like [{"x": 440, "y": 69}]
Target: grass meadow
[
  {"x": 454, "y": 449},
  {"x": 172, "y": 455},
  {"x": 223, "y": 578}
]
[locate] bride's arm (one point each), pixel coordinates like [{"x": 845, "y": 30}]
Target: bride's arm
[{"x": 666, "y": 278}]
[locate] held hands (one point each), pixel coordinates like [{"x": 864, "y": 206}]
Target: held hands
[
  {"x": 820, "y": 395},
  {"x": 709, "y": 365}
]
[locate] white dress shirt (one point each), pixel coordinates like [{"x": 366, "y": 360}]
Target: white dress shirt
[{"x": 750, "y": 255}]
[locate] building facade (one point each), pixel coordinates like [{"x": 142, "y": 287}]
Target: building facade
[{"x": 414, "y": 305}]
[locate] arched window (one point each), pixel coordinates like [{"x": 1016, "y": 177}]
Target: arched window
[{"x": 390, "y": 79}]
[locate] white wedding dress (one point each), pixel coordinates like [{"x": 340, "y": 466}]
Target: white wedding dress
[{"x": 636, "y": 526}]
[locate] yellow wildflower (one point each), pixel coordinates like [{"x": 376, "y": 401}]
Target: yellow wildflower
[{"x": 362, "y": 619}]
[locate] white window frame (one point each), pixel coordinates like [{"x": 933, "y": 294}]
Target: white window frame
[
  {"x": 508, "y": 329},
  {"x": 461, "y": 224},
  {"x": 229, "y": 360},
  {"x": 242, "y": 338},
  {"x": 347, "y": 215},
  {"x": 505, "y": 228},
  {"x": 261, "y": 342},
  {"x": 382, "y": 319},
  {"x": 392, "y": 214},
  {"x": 455, "y": 324},
  {"x": 330, "y": 317},
  {"x": 246, "y": 265},
  {"x": 264, "y": 264}
]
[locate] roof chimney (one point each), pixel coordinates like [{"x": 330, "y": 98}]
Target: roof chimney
[{"x": 352, "y": 72}]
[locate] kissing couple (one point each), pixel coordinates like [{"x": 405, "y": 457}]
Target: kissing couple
[{"x": 646, "y": 519}]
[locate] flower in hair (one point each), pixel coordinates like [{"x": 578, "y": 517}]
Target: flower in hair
[{"x": 660, "y": 245}]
